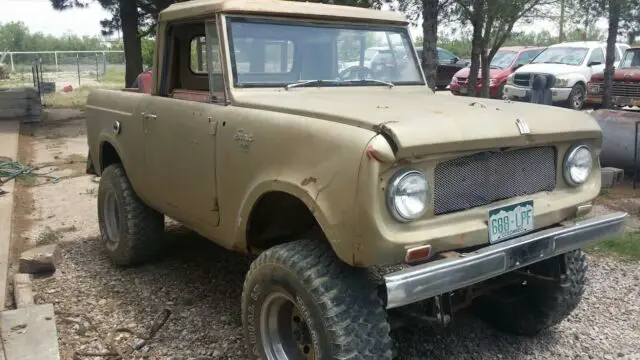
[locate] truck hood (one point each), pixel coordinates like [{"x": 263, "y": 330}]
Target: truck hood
[
  {"x": 420, "y": 122},
  {"x": 553, "y": 69},
  {"x": 629, "y": 74},
  {"x": 493, "y": 73}
]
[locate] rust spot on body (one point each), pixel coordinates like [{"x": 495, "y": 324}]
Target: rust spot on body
[{"x": 308, "y": 181}]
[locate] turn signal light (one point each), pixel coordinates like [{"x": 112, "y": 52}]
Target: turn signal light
[{"x": 418, "y": 253}]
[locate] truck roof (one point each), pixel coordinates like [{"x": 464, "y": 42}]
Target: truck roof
[{"x": 200, "y": 8}]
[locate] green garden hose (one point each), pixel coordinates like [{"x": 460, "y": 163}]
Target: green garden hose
[{"x": 10, "y": 170}]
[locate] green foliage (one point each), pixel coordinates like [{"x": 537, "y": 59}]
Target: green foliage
[{"x": 15, "y": 36}]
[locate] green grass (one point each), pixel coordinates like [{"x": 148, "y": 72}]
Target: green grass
[
  {"x": 625, "y": 247},
  {"x": 113, "y": 76}
]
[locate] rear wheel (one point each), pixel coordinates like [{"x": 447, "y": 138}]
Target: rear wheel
[
  {"x": 528, "y": 308},
  {"x": 131, "y": 231},
  {"x": 300, "y": 302}
]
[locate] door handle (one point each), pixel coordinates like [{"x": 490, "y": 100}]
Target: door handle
[{"x": 148, "y": 115}]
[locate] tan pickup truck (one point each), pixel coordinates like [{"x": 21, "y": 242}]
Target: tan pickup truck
[{"x": 366, "y": 196}]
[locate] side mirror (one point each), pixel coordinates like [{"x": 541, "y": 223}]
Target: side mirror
[
  {"x": 455, "y": 60},
  {"x": 593, "y": 63}
]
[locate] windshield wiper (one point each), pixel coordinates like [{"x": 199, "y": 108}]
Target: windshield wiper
[
  {"x": 495, "y": 67},
  {"x": 302, "y": 83},
  {"x": 389, "y": 84}
]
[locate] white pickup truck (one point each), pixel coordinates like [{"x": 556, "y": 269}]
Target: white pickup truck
[{"x": 572, "y": 63}]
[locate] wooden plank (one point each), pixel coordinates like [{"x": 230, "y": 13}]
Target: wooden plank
[{"x": 30, "y": 333}]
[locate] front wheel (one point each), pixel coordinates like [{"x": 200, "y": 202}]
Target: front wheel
[
  {"x": 576, "y": 97},
  {"x": 300, "y": 302},
  {"x": 528, "y": 308}
]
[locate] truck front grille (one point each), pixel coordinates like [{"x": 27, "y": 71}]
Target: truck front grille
[
  {"x": 522, "y": 80},
  {"x": 489, "y": 176},
  {"x": 622, "y": 88}
]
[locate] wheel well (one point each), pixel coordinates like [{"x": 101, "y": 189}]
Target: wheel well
[
  {"x": 108, "y": 156},
  {"x": 276, "y": 218}
]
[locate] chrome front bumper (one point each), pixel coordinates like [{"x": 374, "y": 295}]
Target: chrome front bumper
[{"x": 441, "y": 276}]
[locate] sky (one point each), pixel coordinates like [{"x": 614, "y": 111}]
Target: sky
[{"x": 39, "y": 16}]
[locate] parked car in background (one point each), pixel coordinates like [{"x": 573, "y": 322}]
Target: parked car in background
[
  {"x": 572, "y": 64},
  {"x": 448, "y": 65},
  {"x": 626, "y": 82},
  {"x": 505, "y": 62}
]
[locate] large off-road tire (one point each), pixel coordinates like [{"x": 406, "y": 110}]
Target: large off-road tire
[
  {"x": 132, "y": 233},
  {"x": 528, "y": 309},
  {"x": 577, "y": 97},
  {"x": 301, "y": 302}
]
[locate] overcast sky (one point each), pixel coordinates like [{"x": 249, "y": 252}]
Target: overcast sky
[{"x": 38, "y": 15}]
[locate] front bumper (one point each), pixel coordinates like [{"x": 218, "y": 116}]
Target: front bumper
[
  {"x": 424, "y": 281},
  {"x": 524, "y": 93}
]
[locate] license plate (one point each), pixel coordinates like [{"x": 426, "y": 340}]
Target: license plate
[
  {"x": 509, "y": 221},
  {"x": 463, "y": 90}
]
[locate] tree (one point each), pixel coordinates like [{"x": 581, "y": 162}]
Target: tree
[{"x": 492, "y": 22}]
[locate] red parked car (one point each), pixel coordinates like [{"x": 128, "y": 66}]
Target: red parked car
[{"x": 506, "y": 61}]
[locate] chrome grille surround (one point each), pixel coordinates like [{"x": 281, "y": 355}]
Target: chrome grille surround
[
  {"x": 627, "y": 89},
  {"x": 482, "y": 178},
  {"x": 523, "y": 79}
]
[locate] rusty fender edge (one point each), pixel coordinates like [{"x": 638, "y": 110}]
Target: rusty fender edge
[{"x": 441, "y": 276}]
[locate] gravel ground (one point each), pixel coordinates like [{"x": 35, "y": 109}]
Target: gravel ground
[{"x": 201, "y": 285}]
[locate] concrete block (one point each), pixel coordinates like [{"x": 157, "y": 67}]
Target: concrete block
[
  {"x": 30, "y": 333},
  {"x": 40, "y": 259},
  {"x": 22, "y": 292},
  {"x": 611, "y": 176}
]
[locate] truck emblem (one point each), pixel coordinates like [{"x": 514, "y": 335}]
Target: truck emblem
[
  {"x": 244, "y": 140},
  {"x": 523, "y": 127}
]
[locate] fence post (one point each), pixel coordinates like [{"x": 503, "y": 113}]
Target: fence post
[
  {"x": 13, "y": 69},
  {"x": 97, "y": 69},
  {"x": 78, "y": 62},
  {"x": 55, "y": 56},
  {"x": 104, "y": 65}
]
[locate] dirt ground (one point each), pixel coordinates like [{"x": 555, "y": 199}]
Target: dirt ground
[{"x": 201, "y": 283}]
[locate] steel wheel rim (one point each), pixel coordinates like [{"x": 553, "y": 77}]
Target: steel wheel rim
[
  {"x": 577, "y": 99},
  {"x": 111, "y": 215},
  {"x": 285, "y": 334}
]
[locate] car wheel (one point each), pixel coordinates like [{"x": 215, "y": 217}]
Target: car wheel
[
  {"x": 576, "y": 97},
  {"x": 131, "y": 232},
  {"x": 528, "y": 308},
  {"x": 301, "y": 302}
]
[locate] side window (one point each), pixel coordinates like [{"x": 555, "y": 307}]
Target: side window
[
  {"x": 526, "y": 56},
  {"x": 193, "y": 67},
  {"x": 445, "y": 56},
  {"x": 198, "y": 56},
  {"x": 596, "y": 56}
]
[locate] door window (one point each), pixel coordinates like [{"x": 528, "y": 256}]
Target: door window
[
  {"x": 445, "y": 57},
  {"x": 526, "y": 56},
  {"x": 596, "y": 56}
]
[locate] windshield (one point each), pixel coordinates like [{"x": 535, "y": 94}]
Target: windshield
[
  {"x": 631, "y": 59},
  {"x": 277, "y": 53},
  {"x": 561, "y": 55},
  {"x": 503, "y": 59}
]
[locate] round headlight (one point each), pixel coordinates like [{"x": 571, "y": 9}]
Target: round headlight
[
  {"x": 407, "y": 195},
  {"x": 577, "y": 165}
]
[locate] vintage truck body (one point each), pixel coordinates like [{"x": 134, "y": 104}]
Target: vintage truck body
[
  {"x": 453, "y": 191},
  {"x": 626, "y": 82}
]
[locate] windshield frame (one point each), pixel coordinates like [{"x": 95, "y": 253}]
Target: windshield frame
[
  {"x": 231, "y": 65},
  {"x": 586, "y": 54}
]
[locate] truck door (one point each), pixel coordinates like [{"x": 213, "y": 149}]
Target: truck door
[{"x": 180, "y": 124}]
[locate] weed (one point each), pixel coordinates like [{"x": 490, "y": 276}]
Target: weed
[
  {"x": 49, "y": 236},
  {"x": 625, "y": 246}
]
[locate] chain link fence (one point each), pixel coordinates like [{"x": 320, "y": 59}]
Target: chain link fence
[{"x": 60, "y": 69}]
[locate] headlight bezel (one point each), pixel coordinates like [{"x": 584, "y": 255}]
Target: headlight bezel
[
  {"x": 562, "y": 82},
  {"x": 571, "y": 153},
  {"x": 392, "y": 187}
]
